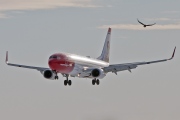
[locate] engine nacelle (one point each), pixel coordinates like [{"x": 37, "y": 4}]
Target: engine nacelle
[
  {"x": 98, "y": 73},
  {"x": 49, "y": 74}
]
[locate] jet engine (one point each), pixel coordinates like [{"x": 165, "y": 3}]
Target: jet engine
[
  {"x": 94, "y": 73},
  {"x": 49, "y": 74},
  {"x": 97, "y": 73}
]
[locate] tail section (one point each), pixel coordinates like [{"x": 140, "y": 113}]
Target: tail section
[{"x": 105, "y": 52}]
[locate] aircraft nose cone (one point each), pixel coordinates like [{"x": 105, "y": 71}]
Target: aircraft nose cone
[
  {"x": 60, "y": 63},
  {"x": 52, "y": 64}
]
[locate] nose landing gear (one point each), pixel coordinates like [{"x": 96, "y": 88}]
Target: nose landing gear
[{"x": 56, "y": 77}]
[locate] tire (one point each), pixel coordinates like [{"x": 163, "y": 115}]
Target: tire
[
  {"x": 65, "y": 82},
  {"x": 93, "y": 82},
  {"x": 56, "y": 77},
  {"x": 97, "y": 82},
  {"x": 69, "y": 82}
]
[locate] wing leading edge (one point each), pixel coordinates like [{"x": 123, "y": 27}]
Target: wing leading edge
[
  {"x": 24, "y": 66},
  {"x": 128, "y": 66}
]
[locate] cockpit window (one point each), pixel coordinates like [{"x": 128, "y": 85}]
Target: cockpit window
[{"x": 54, "y": 57}]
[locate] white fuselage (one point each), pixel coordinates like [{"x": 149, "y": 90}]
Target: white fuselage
[
  {"x": 83, "y": 63},
  {"x": 75, "y": 65}
]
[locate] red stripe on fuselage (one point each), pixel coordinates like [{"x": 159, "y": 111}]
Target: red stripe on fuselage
[{"x": 60, "y": 63}]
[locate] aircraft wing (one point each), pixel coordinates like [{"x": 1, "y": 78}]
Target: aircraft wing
[
  {"x": 128, "y": 66},
  {"x": 24, "y": 66}
]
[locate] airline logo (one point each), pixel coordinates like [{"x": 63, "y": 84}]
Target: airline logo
[{"x": 66, "y": 65}]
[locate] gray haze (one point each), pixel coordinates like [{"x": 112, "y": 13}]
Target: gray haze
[{"x": 33, "y": 30}]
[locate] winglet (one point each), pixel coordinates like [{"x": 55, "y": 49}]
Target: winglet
[
  {"x": 173, "y": 54},
  {"x": 6, "y": 57}
]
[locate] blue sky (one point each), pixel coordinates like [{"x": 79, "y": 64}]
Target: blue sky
[{"x": 33, "y": 30}]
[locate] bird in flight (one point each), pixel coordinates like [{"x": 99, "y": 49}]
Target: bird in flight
[{"x": 145, "y": 24}]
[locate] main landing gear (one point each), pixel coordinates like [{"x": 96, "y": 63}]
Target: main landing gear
[
  {"x": 67, "y": 82},
  {"x": 95, "y": 81}
]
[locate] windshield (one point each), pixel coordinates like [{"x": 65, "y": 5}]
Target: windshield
[{"x": 53, "y": 56}]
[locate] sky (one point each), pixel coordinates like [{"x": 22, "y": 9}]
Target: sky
[{"x": 32, "y": 30}]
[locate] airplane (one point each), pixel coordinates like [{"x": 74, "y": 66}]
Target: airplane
[
  {"x": 71, "y": 65},
  {"x": 145, "y": 25}
]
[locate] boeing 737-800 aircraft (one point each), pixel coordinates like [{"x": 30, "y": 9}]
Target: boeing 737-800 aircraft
[{"x": 71, "y": 65}]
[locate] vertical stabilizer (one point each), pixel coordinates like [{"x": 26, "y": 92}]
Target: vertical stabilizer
[{"x": 105, "y": 52}]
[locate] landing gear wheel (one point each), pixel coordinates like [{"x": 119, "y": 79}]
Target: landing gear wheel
[
  {"x": 65, "y": 82},
  {"x": 56, "y": 77},
  {"x": 69, "y": 82},
  {"x": 93, "y": 82},
  {"x": 97, "y": 81}
]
